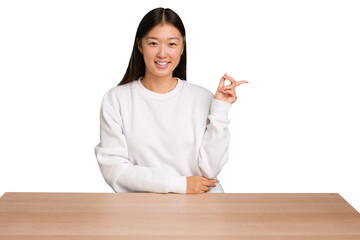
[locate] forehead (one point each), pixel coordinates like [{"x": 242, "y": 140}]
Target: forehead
[{"x": 164, "y": 31}]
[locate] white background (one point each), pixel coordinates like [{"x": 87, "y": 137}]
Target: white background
[{"x": 294, "y": 128}]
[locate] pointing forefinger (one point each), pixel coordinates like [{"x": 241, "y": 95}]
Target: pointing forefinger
[{"x": 241, "y": 82}]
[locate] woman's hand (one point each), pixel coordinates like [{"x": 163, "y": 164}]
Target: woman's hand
[
  {"x": 227, "y": 93},
  {"x": 199, "y": 184}
]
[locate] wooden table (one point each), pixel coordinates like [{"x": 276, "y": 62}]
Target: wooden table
[{"x": 144, "y": 216}]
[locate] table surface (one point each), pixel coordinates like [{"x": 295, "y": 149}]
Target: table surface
[{"x": 158, "y": 216}]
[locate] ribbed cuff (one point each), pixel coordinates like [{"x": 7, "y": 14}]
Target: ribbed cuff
[
  {"x": 219, "y": 107},
  {"x": 176, "y": 184}
]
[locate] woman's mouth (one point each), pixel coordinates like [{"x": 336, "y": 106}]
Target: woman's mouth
[{"x": 162, "y": 65}]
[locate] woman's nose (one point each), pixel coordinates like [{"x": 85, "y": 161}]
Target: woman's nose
[{"x": 161, "y": 52}]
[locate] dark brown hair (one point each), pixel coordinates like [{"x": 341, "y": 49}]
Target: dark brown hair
[{"x": 156, "y": 16}]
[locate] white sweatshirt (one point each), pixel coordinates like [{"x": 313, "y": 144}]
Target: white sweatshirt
[{"x": 150, "y": 142}]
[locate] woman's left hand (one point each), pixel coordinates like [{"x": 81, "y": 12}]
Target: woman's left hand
[{"x": 227, "y": 93}]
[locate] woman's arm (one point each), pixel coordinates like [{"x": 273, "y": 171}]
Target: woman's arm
[
  {"x": 113, "y": 159},
  {"x": 214, "y": 150}
]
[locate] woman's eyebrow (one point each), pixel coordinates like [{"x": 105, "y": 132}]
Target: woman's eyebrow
[{"x": 168, "y": 38}]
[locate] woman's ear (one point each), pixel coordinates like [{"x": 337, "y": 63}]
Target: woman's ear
[
  {"x": 183, "y": 47},
  {"x": 139, "y": 46}
]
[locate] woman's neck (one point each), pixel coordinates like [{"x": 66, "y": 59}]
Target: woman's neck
[{"x": 159, "y": 85}]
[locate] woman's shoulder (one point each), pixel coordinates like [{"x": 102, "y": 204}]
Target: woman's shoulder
[
  {"x": 120, "y": 88},
  {"x": 118, "y": 92},
  {"x": 199, "y": 90}
]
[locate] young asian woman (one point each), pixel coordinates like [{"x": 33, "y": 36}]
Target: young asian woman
[{"x": 159, "y": 132}]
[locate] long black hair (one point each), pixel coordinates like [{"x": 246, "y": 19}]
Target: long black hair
[{"x": 156, "y": 16}]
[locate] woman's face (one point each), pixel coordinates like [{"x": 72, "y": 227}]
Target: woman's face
[{"x": 162, "y": 48}]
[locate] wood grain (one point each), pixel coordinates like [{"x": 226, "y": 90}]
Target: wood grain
[{"x": 176, "y": 216}]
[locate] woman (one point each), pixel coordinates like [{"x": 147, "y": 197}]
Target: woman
[{"x": 158, "y": 132}]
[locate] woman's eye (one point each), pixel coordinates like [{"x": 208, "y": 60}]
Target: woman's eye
[
  {"x": 152, "y": 43},
  {"x": 172, "y": 44}
]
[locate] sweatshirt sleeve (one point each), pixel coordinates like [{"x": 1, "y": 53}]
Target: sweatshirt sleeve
[
  {"x": 113, "y": 159},
  {"x": 214, "y": 149}
]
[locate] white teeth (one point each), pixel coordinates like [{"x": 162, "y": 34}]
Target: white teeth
[{"x": 162, "y": 63}]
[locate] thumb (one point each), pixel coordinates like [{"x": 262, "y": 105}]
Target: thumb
[{"x": 221, "y": 83}]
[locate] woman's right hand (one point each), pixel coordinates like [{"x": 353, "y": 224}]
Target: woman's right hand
[{"x": 199, "y": 184}]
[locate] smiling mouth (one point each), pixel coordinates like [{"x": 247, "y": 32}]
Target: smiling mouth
[{"x": 162, "y": 63}]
